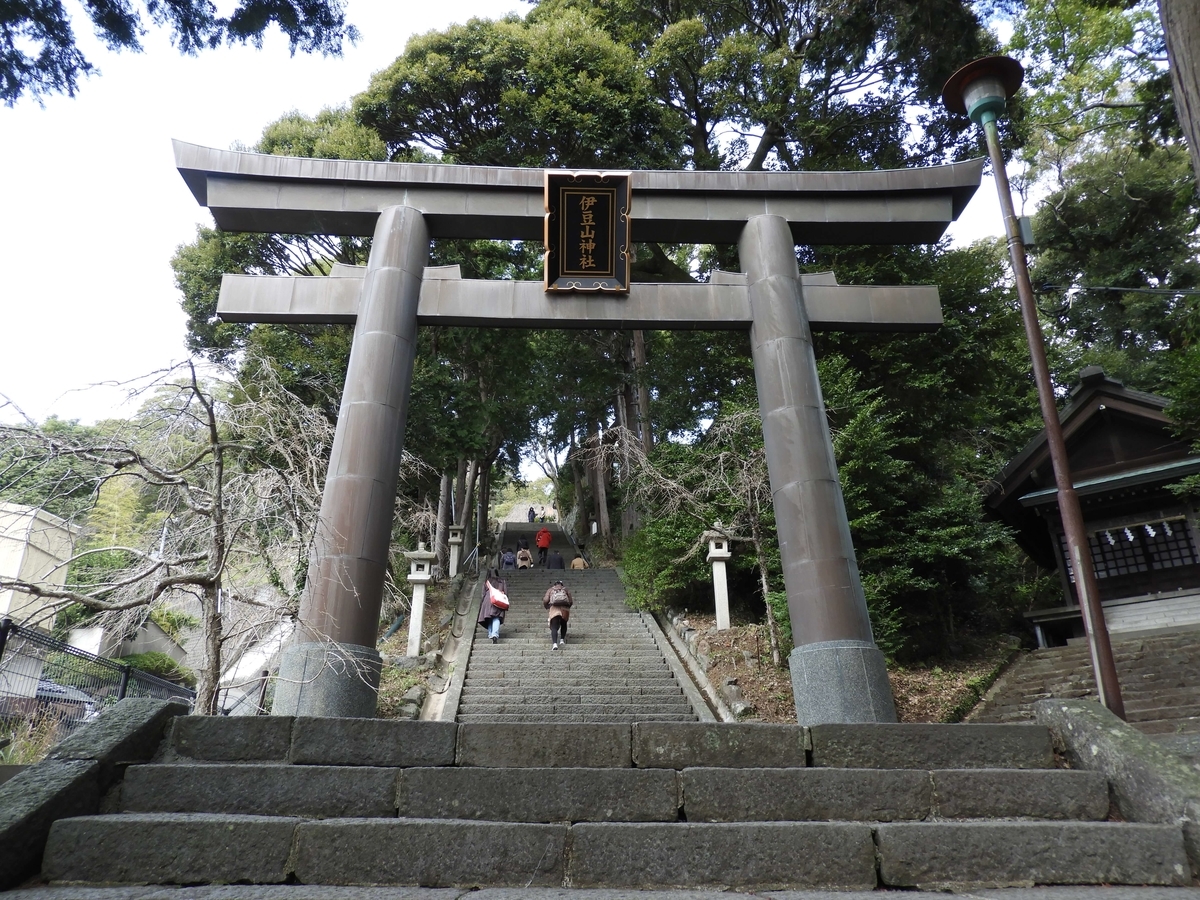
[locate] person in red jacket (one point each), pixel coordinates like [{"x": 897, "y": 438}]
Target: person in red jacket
[{"x": 542, "y": 539}]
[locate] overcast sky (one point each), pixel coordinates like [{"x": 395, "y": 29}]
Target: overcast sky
[{"x": 92, "y": 209}]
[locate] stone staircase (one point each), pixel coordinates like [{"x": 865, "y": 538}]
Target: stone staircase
[
  {"x": 273, "y": 800},
  {"x": 611, "y": 669},
  {"x": 1159, "y": 676}
]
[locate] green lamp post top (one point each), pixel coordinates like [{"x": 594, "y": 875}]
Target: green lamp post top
[{"x": 980, "y": 88}]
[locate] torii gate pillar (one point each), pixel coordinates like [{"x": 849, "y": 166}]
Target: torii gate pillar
[
  {"x": 333, "y": 669},
  {"x": 838, "y": 674}
]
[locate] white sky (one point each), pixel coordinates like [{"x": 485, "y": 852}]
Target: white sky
[{"x": 92, "y": 209}]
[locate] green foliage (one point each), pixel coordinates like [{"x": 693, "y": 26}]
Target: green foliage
[
  {"x": 783, "y": 619},
  {"x": 655, "y": 576},
  {"x": 330, "y": 134},
  {"x": 155, "y": 663},
  {"x": 547, "y": 91},
  {"x": 1121, "y": 219},
  {"x": 39, "y": 56},
  {"x": 173, "y": 622},
  {"x": 61, "y": 485},
  {"x": 1091, "y": 69}
]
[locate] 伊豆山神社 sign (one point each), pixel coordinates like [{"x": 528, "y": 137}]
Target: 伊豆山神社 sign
[{"x": 587, "y": 231}]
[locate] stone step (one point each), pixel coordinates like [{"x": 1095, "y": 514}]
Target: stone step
[
  {"x": 589, "y": 697},
  {"x": 532, "y": 709},
  {"x": 918, "y": 746},
  {"x": 608, "y": 795},
  {"x": 533, "y": 717},
  {"x": 158, "y": 848},
  {"x": 578, "y": 650},
  {"x": 562, "y": 662},
  {"x": 499, "y": 686}
]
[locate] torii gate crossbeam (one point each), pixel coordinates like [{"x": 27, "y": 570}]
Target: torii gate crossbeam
[{"x": 838, "y": 674}]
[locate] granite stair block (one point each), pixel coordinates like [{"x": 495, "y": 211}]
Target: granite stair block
[
  {"x": 935, "y": 854},
  {"x": 372, "y": 742},
  {"x": 429, "y": 852},
  {"x": 800, "y": 795},
  {"x": 232, "y": 738},
  {"x": 919, "y": 746},
  {"x": 247, "y": 789},
  {"x": 1029, "y": 793},
  {"x": 540, "y": 795},
  {"x": 534, "y": 745},
  {"x": 679, "y": 746},
  {"x": 746, "y": 855},
  {"x": 173, "y": 849}
]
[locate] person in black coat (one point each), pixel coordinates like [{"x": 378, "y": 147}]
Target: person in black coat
[
  {"x": 491, "y": 616},
  {"x": 555, "y": 561}
]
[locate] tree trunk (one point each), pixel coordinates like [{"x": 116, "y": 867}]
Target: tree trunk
[
  {"x": 600, "y": 478},
  {"x": 464, "y": 509},
  {"x": 460, "y": 489},
  {"x": 772, "y": 628},
  {"x": 643, "y": 390},
  {"x": 207, "y": 691},
  {"x": 1181, "y": 25},
  {"x": 442, "y": 540}
]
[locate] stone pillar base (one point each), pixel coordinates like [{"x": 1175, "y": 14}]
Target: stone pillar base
[
  {"x": 842, "y": 683},
  {"x": 327, "y": 679}
]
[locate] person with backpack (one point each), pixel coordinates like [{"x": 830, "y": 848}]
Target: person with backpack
[
  {"x": 494, "y": 605},
  {"x": 508, "y": 559},
  {"x": 524, "y": 558},
  {"x": 558, "y": 601},
  {"x": 542, "y": 539}
]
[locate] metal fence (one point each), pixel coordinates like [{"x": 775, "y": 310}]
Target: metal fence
[{"x": 45, "y": 680}]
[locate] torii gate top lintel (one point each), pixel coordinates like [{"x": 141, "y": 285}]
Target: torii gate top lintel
[{"x": 260, "y": 192}]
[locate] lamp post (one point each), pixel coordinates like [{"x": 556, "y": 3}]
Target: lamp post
[{"x": 980, "y": 89}]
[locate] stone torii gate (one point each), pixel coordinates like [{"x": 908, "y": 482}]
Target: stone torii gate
[{"x": 838, "y": 673}]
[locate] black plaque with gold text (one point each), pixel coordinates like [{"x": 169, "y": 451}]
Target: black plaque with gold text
[{"x": 587, "y": 231}]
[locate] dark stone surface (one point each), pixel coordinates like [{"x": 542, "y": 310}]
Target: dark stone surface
[
  {"x": 1149, "y": 783},
  {"x": 1035, "y": 793},
  {"x": 338, "y": 892},
  {"x": 540, "y": 795},
  {"x": 30, "y": 803},
  {"x": 373, "y": 742},
  {"x": 130, "y": 731},
  {"x": 931, "y": 854},
  {"x": 323, "y": 679},
  {"x": 746, "y": 856},
  {"x": 783, "y": 795},
  {"x": 262, "y": 790},
  {"x": 178, "y": 849},
  {"x": 232, "y": 738},
  {"x": 922, "y": 746},
  {"x": 428, "y": 852},
  {"x": 680, "y": 745},
  {"x": 535, "y": 745}
]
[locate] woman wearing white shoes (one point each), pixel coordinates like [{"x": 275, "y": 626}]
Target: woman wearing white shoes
[
  {"x": 558, "y": 601},
  {"x": 494, "y": 605}
]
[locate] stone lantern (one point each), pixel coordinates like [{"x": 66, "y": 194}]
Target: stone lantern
[
  {"x": 456, "y": 543},
  {"x": 718, "y": 553},
  {"x": 420, "y": 573}
]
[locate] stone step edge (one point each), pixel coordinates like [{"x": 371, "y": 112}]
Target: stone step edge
[{"x": 618, "y": 855}]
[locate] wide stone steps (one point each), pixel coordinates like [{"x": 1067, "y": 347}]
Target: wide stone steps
[
  {"x": 273, "y": 800},
  {"x": 610, "y": 670},
  {"x": 1159, "y": 677}
]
